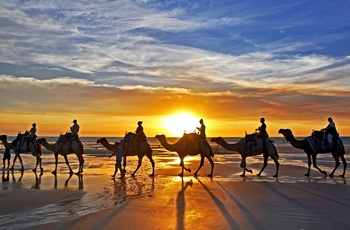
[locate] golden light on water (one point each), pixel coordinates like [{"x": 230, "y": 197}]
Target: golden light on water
[{"x": 180, "y": 123}]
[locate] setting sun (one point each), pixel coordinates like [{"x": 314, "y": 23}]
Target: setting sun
[{"x": 179, "y": 123}]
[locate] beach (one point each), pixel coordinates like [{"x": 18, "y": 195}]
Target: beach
[{"x": 167, "y": 201}]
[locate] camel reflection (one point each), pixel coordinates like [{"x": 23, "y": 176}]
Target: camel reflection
[
  {"x": 14, "y": 178},
  {"x": 80, "y": 181},
  {"x": 5, "y": 176},
  {"x": 37, "y": 180}
]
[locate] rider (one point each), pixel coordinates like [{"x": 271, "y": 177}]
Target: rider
[
  {"x": 331, "y": 131},
  {"x": 201, "y": 129},
  {"x": 262, "y": 134},
  {"x": 29, "y": 135},
  {"x": 139, "y": 132},
  {"x": 75, "y": 129}
]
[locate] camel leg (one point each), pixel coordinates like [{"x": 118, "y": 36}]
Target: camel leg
[
  {"x": 344, "y": 165},
  {"x": 67, "y": 163},
  {"x": 308, "y": 164},
  {"x": 243, "y": 165},
  {"x": 200, "y": 165},
  {"x": 56, "y": 162},
  {"x": 124, "y": 163},
  {"x": 183, "y": 167},
  {"x": 277, "y": 165},
  {"x": 20, "y": 160},
  {"x": 266, "y": 157},
  {"x": 152, "y": 163},
  {"x": 81, "y": 164},
  {"x": 315, "y": 165},
  {"x": 138, "y": 165},
  {"x": 212, "y": 166},
  {"x": 13, "y": 163},
  {"x": 336, "y": 165}
]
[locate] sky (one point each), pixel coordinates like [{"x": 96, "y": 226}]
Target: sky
[{"x": 109, "y": 64}]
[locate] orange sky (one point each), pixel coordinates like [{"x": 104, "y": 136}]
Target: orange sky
[{"x": 111, "y": 111}]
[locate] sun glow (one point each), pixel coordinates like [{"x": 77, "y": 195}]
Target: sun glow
[{"x": 179, "y": 123}]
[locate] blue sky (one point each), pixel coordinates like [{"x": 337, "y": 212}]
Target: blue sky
[{"x": 280, "y": 53}]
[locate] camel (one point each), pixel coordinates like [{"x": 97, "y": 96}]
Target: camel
[
  {"x": 304, "y": 145},
  {"x": 139, "y": 151},
  {"x": 189, "y": 144},
  {"x": 239, "y": 147},
  {"x": 64, "y": 150},
  {"x": 35, "y": 149}
]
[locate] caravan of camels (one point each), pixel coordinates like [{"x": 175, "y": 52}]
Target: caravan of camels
[{"x": 135, "y": 144}]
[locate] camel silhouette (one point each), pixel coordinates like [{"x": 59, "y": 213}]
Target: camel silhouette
[
  {"x": 305, "y": 145},
  {"x": 75, "y": 147},
  {"x": 34, "y": 148},
  {"x": 137, "y": 150},
  {"x": 189, "y": 144},
  {"x": 240, "y": 148}
]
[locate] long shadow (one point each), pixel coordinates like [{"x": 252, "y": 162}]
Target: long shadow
[
  {"x": 222, "y": 207},
  {"x": 305, "y": 206},
  {"x": 181, "y": 204},
  {"x": 325, "y": 197},
  {"x": 249, "y": 214}
]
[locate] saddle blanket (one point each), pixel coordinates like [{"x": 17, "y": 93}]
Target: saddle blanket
[
  {"x": 252, "y": 146},
  {"x": 322, "y": 145}
]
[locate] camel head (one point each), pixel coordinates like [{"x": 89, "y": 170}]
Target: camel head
[
  {"x": 160, "y": 137},
  {"x": 287, "y": 133},
  {"x": 3, "y": 137},
  {"x": 100, "y": 141},
  {"x": 217, "y": 140}
]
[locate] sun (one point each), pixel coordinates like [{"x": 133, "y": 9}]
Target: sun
[{"x": 180, "y": 123}]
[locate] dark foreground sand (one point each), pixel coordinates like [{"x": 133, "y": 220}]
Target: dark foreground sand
[{"x": 167, "y": 201}]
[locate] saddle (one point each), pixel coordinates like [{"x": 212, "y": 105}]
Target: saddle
[
  {"x": 131, "y": 142},
  {"x": 319, "y": 135}
]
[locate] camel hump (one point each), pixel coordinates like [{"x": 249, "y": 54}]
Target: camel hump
[{"x": 191, "y": 136}]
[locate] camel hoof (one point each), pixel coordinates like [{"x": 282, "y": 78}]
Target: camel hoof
[
  {"x": 307, "y": 174},
  {"x": 249, "y": 170},
  {"x": 133, "y": 174},
  {"x": 259, "y": 174},
  {"x": 54, "y": 172},
  {"x": 342, "y": 175},
  {"x": 151, "y": 175},
  {"x": 188, "y": 170},
  {"x": 331, "y": 175},
  {"x": 21, "y": 170},
  {"x": 181, "y": 175},
  {"x": 210, "y": 175},
  {"x": 34, "y": 170},
  {"x": 275, "y": 176},
  {"x": 243, "y": 175},
  {"x": 325, "y": 173}
]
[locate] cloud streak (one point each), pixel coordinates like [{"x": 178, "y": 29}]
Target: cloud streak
[{"x": 266, "y": 58}]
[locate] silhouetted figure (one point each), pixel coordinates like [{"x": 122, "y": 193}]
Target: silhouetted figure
[
  {"x": 29, "y": 135},
  {"x": 331, "y": 131},
  {"x": 119, "y": 158},
  {"x": 75, "y": 129},
  {"x": 262, "y": 133},
  {"x": 139, "y": 132},
  {"x": 201, "y": 129},
  {"x": 7, "y": 156}
]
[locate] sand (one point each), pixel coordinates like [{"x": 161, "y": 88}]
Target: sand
[{"x": 167, "y": 201}]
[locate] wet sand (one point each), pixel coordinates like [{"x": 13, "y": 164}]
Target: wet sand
[{"x": 167, "y": 201}]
